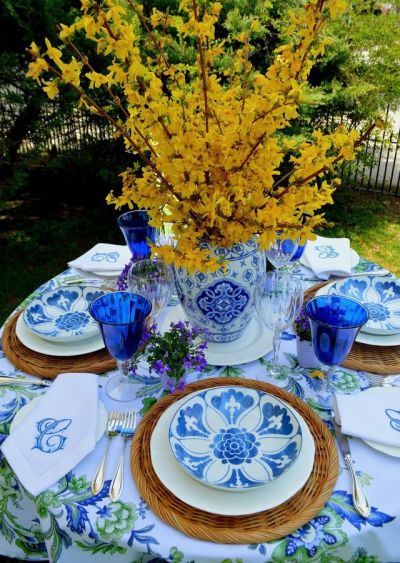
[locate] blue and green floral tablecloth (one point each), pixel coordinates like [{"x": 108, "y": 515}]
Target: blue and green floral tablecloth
[{"x": 68, "y": 524}]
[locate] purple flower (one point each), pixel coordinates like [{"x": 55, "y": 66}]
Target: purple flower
[
  {"x": 173, "y": 353},
  {"x": 160, "y": 368}
]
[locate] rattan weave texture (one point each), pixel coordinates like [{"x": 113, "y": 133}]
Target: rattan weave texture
[
  {"x": 383, "y": 360},
  {"x": 43, "y": 365},
  {"x": 256, "y": 528}
]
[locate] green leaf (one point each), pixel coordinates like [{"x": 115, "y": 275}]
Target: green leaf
[{"x": 147, "y": 403}]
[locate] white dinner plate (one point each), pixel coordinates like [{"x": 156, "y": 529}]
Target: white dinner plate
[
  {"x": 378, "y": 340},
  {"x": 37, "y": 344},
  {"x": 211, "y": 500},
  {"x": 99, "y": 273},
  {"x": 384, "y": 448},
  {"x": 106, "y": 274},
  {"x": 255, "y": 342},
  {"x": 367, "y": 337},
  {"x": 102, "y": 416}
]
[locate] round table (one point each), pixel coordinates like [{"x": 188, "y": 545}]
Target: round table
[{"x": 68, "y": 524}]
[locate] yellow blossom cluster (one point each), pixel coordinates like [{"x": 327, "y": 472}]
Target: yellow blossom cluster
[{"x": 212, "y": 146}]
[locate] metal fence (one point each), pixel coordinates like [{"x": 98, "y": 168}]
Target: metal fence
[
  {"x": 57, "y": 128},
  {"x": 73, "y": 130},
  {"x": 377, "y": 168}
]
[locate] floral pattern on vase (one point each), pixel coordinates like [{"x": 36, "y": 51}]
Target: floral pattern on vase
[{"x": 221, "y": 303}]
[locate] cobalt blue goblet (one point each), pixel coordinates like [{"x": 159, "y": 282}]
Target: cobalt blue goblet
[
  {"x": 120, "y": 316},
  {"x": 137, "y": 232},
  {"x": 335, "y": 322},
  {"x": 296, "y": 257}
]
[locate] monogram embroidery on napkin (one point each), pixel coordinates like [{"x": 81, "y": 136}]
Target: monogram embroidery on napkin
[
  {"x": 49, "y": 439},
  {"x": 326, "y": 251},
  {"x": 394, "y": 417},
  {"x": 105, "y": 256}
]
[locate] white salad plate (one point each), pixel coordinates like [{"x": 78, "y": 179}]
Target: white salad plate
[
  {"x": 379, "y": 295},
  {"x": 235, "y": 438},
  {"x": 384, "y": 448},
  {"x": 37, "y": 344},
  {"x": 255, "y": 342},
  {"x": 215, "y": 501},
  {"x": 62, "y": 314},
  {"x": 20, "y": 416}
]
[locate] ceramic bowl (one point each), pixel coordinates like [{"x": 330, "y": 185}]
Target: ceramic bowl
[
  {"x": 62, "y": 315},
  {"x": 235, "y": 438},
  {"x": 381, "y": 296}
]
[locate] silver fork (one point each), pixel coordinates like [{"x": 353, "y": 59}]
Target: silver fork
[
  {"x": 127, "y": 431},
  {"x": 379, "y": 380},
  {"x": 114, "y": 419}
]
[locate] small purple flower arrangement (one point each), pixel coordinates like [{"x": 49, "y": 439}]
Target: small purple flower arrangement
[
  {"x": 122, "y": 281},
  {"x": 172, "y": 354},
  {"x": 302, "y": 326}
]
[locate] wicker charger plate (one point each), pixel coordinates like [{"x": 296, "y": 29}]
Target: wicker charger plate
[
  {"x": 383, "y": 360},
  {"x": 43, "y": 365},
  {"x": 255, "y": 528}
]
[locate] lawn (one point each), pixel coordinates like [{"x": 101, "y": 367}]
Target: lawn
[
  {"x": 38, "y": 236},
  {"x": 371, "y": 221}
]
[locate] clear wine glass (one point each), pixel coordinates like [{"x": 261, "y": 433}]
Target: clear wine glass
[
  {"x": 154, "y": 280},
  {"x": 335, "y": 322},
  {"x": 281, "y": 252},
  {"x": 137, "y": 232},
  {"x": 278, "y": 299},
  {"x": 120, "y": 316}
]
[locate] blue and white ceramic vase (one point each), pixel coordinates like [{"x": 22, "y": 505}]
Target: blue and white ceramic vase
[{"x": 221, "y": 303}]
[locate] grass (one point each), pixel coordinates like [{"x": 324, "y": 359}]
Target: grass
[
  {"x": 372, "y": 222},
  {"x": 37, "y": 242},
  {"x": 39, "y": 236}
]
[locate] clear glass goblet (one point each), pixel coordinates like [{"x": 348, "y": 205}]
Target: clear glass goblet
[
  {"x": 281, "y": 252},
  {"x": 154, "y": 280},
  {"x": 120, "y": 316},
  {"x": 278, "y": 299},
  {"x": 335, "y": 322},
  {"x": 137, "y": 232}
]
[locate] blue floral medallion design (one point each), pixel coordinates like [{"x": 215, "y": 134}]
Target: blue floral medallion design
[
  {"x": 221, "y": 303},
  {"x": 234, "y": 438},
  {"x": 50, "y": 438},
  {"x": 381, "y": 297},
  {"x": 63, "y": 314}
]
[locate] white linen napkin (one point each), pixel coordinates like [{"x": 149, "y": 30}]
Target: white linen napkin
[
  {"x": 103, "y": 257},
  {"x": 57, "y": 434},
  {"x": 328, "y": 257},
  {"x": 371, "y": 416}
]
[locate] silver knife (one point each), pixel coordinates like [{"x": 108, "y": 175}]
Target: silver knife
[
  {"x": 360, "y": 500},
  {"x": 9, "y": 380}
]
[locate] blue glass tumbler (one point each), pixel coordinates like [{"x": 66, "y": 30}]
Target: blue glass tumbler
[
  {"x": 120, "y": 316},
  {"x": 137, "y": 232},
  {"x": 335, "y": 322}
]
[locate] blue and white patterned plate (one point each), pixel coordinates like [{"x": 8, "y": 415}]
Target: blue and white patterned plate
[
  {"x": 235, "y": 439},
  {"x": 380, "y": 295},
  {"x": 62, "y": 314}
]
